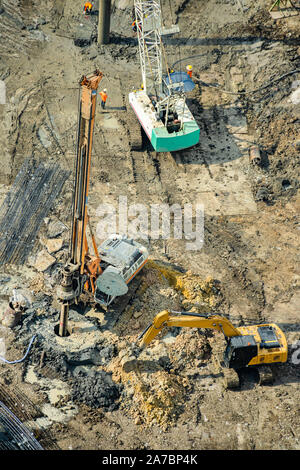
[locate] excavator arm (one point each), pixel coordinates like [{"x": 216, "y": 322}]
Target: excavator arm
[{"x": 187, "y": 319}]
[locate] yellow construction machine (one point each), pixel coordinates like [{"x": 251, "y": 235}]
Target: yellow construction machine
[{"x": 255, "y": 345}]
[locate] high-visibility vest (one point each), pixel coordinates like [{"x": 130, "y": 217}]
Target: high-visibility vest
[
  {"x": 189, "y": 71},
  {"x": 103, "y": 96},
  {"x": 134, "y": 26}
]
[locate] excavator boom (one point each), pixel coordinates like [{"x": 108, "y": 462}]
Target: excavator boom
[{"x": 192, "y": 320}]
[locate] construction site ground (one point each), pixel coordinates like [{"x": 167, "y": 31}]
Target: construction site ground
[{"x": 73, "y": 392}]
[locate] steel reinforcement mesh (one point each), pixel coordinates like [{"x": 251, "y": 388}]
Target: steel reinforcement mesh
[
  {"x": 20, "y": 425},
  {"x": 27, "y": 203},
  {"x": 13, "y": 434}
]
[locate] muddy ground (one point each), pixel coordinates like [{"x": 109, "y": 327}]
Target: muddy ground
[{"x": 247, "y": 93}]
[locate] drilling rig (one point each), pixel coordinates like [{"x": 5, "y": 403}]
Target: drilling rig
[
  {"x": 105, "y": 274},
  {"x": 160, "y": 105}
]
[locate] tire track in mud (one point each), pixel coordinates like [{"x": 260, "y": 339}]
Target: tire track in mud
[
  {"x": 168, "y": 178},
  {"x": 145, "y": 163},
  {"x": 12, "y": 24},
  {"x": 153, "y": 175}
]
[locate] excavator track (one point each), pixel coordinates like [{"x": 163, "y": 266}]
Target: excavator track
[
  {"x": 229, "y": 377},
  {"x": 266, "y": 375}
]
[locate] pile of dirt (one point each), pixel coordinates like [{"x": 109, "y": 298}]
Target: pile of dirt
[
  {"x": 96, "y": 389},
  {"x": 192, "y": 288},
  {"x": 158, "y": 389}
]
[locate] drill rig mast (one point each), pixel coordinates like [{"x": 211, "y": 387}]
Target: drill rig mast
[
  {"x": 82, "y": 269},
  {"x": 107, "y": 273}
]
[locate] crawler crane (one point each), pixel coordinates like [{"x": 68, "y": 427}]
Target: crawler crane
[
  {"x": 160, "y": 105},
  {"x": 248, "y": 346},
  {"x": 107, "y": 273}
]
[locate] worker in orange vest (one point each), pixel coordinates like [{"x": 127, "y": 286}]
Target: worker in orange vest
[
  {"x": 134, "y": 26},
  {"x": 87, "y": 9},
  {"x": 189, "y": 70},
  {"x": 103, "y": 95}
]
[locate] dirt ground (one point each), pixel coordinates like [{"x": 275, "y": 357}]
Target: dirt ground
[{"x": 247, "y": 74}]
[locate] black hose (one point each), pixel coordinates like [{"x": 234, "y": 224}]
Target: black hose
[
  {"x": 241, "y": 92},
  {"x": 192, "y": 314},
  {"x": 144, "y": 332}
]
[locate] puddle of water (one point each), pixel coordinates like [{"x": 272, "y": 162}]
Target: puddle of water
[
  {"x": 59, "y": 415},
  {"x": 2, "y": 347}
]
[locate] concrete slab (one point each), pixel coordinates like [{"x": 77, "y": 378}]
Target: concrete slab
[
  {"x": 108, "y": 121},
  {"x": 224, "y": 203},
  {"x": 285, "y": 311}
]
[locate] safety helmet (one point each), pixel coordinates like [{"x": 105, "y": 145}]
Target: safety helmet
[
  {"x": 189, "y": 67},
  {"x": 105, "y": 90}
]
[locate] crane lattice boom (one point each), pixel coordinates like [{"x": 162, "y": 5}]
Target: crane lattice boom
[{"x": 148, "y": 21}]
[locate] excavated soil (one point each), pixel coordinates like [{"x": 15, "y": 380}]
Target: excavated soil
[{"x": 73, "y": 392}]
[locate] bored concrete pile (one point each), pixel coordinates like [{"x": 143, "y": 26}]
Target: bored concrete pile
[{"x": 78, "y": 359}]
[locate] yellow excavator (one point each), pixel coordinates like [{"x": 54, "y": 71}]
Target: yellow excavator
[{"x": 255, "y": 345}]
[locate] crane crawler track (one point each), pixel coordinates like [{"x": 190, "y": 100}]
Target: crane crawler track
[{"x": 134, "y": 129}]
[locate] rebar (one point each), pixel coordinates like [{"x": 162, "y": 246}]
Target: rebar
[
  {"x": 28, "y": 202},
  {"x": 15, "y": 435}
]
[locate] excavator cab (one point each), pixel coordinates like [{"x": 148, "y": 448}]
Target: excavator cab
[
  {"x": 268, "y": 337},
  {"x": 239, "y": 351},
  {"x": 266, "y": 345}
]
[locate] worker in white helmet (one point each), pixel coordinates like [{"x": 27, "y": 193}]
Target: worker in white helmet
[
  {"x": 103, "y": 95},
  {"x": 189, "y": 70}
]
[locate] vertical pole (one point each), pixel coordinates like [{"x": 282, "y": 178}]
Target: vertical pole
[
  {"x": 63, "y": 321},
  {"x": 104, "y": 21}
]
